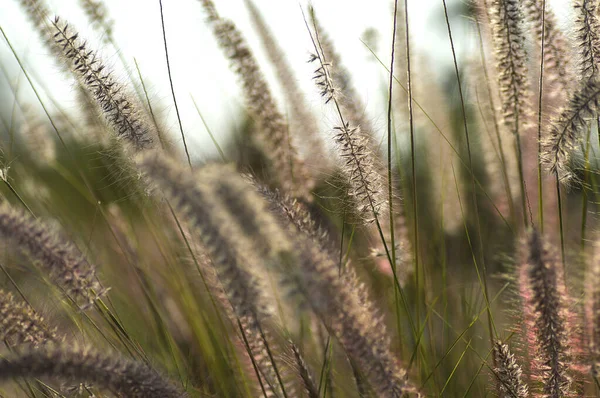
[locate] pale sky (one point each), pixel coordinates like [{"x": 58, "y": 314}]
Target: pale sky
[{"x": 198, "y": 66}]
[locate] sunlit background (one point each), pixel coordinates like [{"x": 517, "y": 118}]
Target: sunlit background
[{"x": 361, "y": 32}]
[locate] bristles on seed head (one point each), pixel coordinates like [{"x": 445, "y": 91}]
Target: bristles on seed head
[
  {"x": 230, "y": 252},
  {"x": 98, "y": 15},
  {"x": 587, "y": 30},
  {"x": 506, "y": 19},
  {"x": 117, "y": 106},
  {"x": 20, "y": 324},
  {"x": 57, "y": 256},
  {"x": 548, "y": 307},
  {"x": 567, "y": 129},
  {"x": 508, "y": 372},
  {"x": 355, "y": 148},
  {"x": 72, "y": 363},
  {"x": 272, "y": 132}
]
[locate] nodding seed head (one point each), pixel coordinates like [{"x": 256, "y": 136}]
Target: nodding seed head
[{"x": 60, "y": 258}]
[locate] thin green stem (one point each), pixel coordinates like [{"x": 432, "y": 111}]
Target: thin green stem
[
  {"x": 164, "y": 32},
  {"x": 539, "y": 133}
]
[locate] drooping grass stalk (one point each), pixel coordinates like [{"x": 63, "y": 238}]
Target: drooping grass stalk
[
  {"x": 115, "y": 104},
  {"x": 313, "y": 273},
  {"x": 84, "y": 364},
  {"x": 335, "y": 300},
  {"x": 231, "y": 253},
  {"x": 39, "y": 14},
  {"x": 303, "y": 122},
  {"x": 287, "y": 166},
  {"x": 55, "y": 255}
]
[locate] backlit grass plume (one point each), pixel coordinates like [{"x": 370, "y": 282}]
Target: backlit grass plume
[
  {"x": 71, "y": 363},
  {"x": 195, "y": 199},
  {"x": 556, "y": 49},
  {"x": 354, "y": 148},
  {"x": 506, "y": 19},
  {"x": 315, "y": 277},
  {"x": 52, "y": 253},
  {"x": 272, "y": 131},
  {"x": 117, "y": 106},
  {"x": 509, "y": 373},
  {"x": 587, "y": 40},
  {"x": 20, "y": 324},
  {"x": 347, "y": 97},
  {"x": 303, "y": 123},
  {"x": 98, "y": 15},
  {"x": 547, "y": 303},
  {"x": 567, "y": 129}
]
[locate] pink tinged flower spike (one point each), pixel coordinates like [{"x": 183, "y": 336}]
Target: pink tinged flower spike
[{"x": 548, "y": 305}]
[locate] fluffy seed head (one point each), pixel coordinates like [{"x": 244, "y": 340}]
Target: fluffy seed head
[
  {"x": 587, "y": 27},
  {"x": 71, "y": 363},
  {"x": 509, "y": 373},
  {"x": 98, "y": 15},
  {"x": 20, "y": 324},
  {"x": 567, "y": 129},
  {"x": 358, "y": 160},
  {"x": 272, "y": 133},
  {"x": 197, "y": 200},
  {"x": 60, "y": 258},
  {"x": 556, "y": 50},
  {"x": 506, "y": 18},
  {"x": 115, "y": 104},
  {"x": 547, "y": 303}
]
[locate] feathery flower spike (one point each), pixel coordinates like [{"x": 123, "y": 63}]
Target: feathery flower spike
[
  {"x": 115, "y": 104},
  {"x": 60, "y": 258},
  {"x": 68, "y": 362}
]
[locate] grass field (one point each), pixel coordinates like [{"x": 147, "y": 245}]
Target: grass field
[{"x": 446, "y": 247}]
